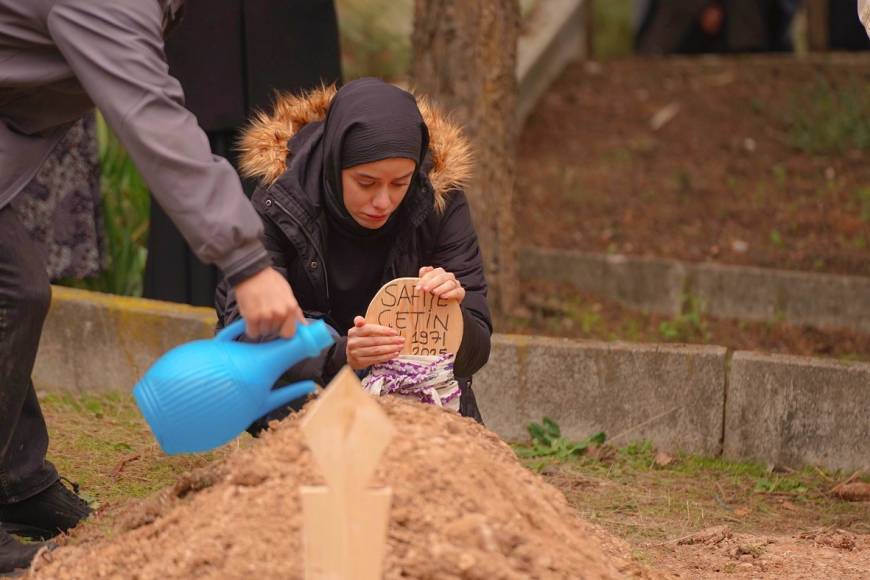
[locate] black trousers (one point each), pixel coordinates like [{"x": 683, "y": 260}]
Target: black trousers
[{"x": 25, "y": 295}]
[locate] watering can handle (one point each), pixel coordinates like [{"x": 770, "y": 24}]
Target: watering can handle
[
  {"x": 231, "y": 332},
  {"x": 315, "y": 334}
]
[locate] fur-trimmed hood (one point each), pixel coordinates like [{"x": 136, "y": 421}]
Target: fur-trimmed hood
[{"x": 264, "y": 144}]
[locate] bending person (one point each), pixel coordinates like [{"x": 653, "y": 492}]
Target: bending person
[
  {"x": 359, "y": 188},
  {"x": 59, "y": 59}
]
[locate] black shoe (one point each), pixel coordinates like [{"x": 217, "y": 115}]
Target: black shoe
[
  {"x": 46, "y": 514},
  {"x": 15, "y": 556}
]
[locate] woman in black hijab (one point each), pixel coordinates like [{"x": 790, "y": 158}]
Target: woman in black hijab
[{"x": 359, "y": 187}]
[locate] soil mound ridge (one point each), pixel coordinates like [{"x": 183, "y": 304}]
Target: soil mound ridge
[{"x": 463, "y": 507}]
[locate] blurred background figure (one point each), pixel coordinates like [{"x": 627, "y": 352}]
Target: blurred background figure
[
  {"x": 61, "y": 207},
  {"x": 231, "y": 56},
  {"x": 735, "y": 26},
  {"x": 714, "y": 26}
]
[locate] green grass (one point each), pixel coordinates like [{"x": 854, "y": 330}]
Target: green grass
[
  {"x": 375, "y": 37},
  {"x": 776, "y": 239},
  {"x": 780, "y": 175},
  {"x": 126, "y": 206},
  {"x": 642, "y": 497},
  {"x": 102, "y": 443},
  {"x": 547, "y": 443},
  {"x": 613, "y": 28},
  {"x": 689, "y": 326},
  {"x": 560, "y": 310},
  {"x": 827, "y": 119},
  {"x": 862, "y": 200}
]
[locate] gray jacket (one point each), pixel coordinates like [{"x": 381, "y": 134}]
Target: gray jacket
[{"x": 59, "y": 58}]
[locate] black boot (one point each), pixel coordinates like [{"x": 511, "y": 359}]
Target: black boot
[
  {"x": 46, "y": 514},
  {"x": 14, "y": 555}
]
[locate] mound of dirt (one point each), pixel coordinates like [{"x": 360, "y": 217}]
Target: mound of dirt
[{"x": 463, "y": 507}]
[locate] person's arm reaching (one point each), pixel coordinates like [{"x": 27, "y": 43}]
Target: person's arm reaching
[{"x": 115, "y": 48}]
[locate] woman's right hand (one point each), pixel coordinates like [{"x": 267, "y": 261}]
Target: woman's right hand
[{"x": 371, "y": 344}]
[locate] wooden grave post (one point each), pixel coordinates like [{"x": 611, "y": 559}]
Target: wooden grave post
[
  {"x": 345, "y": 523},
  {"x": 429, "y": 324}
]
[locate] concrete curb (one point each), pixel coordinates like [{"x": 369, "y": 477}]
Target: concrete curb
[
  {"x": 791, "y": 411},
  {"x": 783, "y": 410},
  {"x": 742, "y": 292},
  {"x": 100, "y": 342},
  {"x": 653, "y": 284},
  {"x": 670, "y": 395}
]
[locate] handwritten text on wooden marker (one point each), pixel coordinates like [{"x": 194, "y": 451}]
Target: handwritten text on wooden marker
[{"x": 430, "y": 325}]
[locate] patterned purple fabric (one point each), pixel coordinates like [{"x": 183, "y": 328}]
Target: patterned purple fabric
[{"x": 428, "y": 379}]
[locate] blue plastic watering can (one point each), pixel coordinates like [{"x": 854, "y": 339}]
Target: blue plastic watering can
[{"x": 202, "y": 394}]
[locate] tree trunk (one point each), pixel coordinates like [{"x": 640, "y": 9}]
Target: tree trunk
[{"x": 464, "y": 58}]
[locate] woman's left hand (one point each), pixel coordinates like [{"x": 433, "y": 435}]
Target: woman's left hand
[{"x": 441, "y": 283}]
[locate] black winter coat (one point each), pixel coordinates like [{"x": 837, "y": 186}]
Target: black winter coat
[{"x": 436, "y": 230}]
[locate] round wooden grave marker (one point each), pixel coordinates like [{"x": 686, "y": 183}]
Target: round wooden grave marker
[{"x": 429, "y": 324}]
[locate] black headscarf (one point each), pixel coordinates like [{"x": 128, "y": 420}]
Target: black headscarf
[{"x": 368, "y": 120}]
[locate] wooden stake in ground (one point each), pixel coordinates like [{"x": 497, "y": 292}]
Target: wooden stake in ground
[{"x": 344, "y": 523}]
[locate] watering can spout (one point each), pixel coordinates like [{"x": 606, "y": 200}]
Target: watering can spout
[
  {"x": 284, "y": 395},
  {"x": 317, "y": 335}
]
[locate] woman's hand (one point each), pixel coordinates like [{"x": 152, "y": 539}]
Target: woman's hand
[
  {"x": 371, "y": 344},
  {"x": 440, "y": 283}
]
